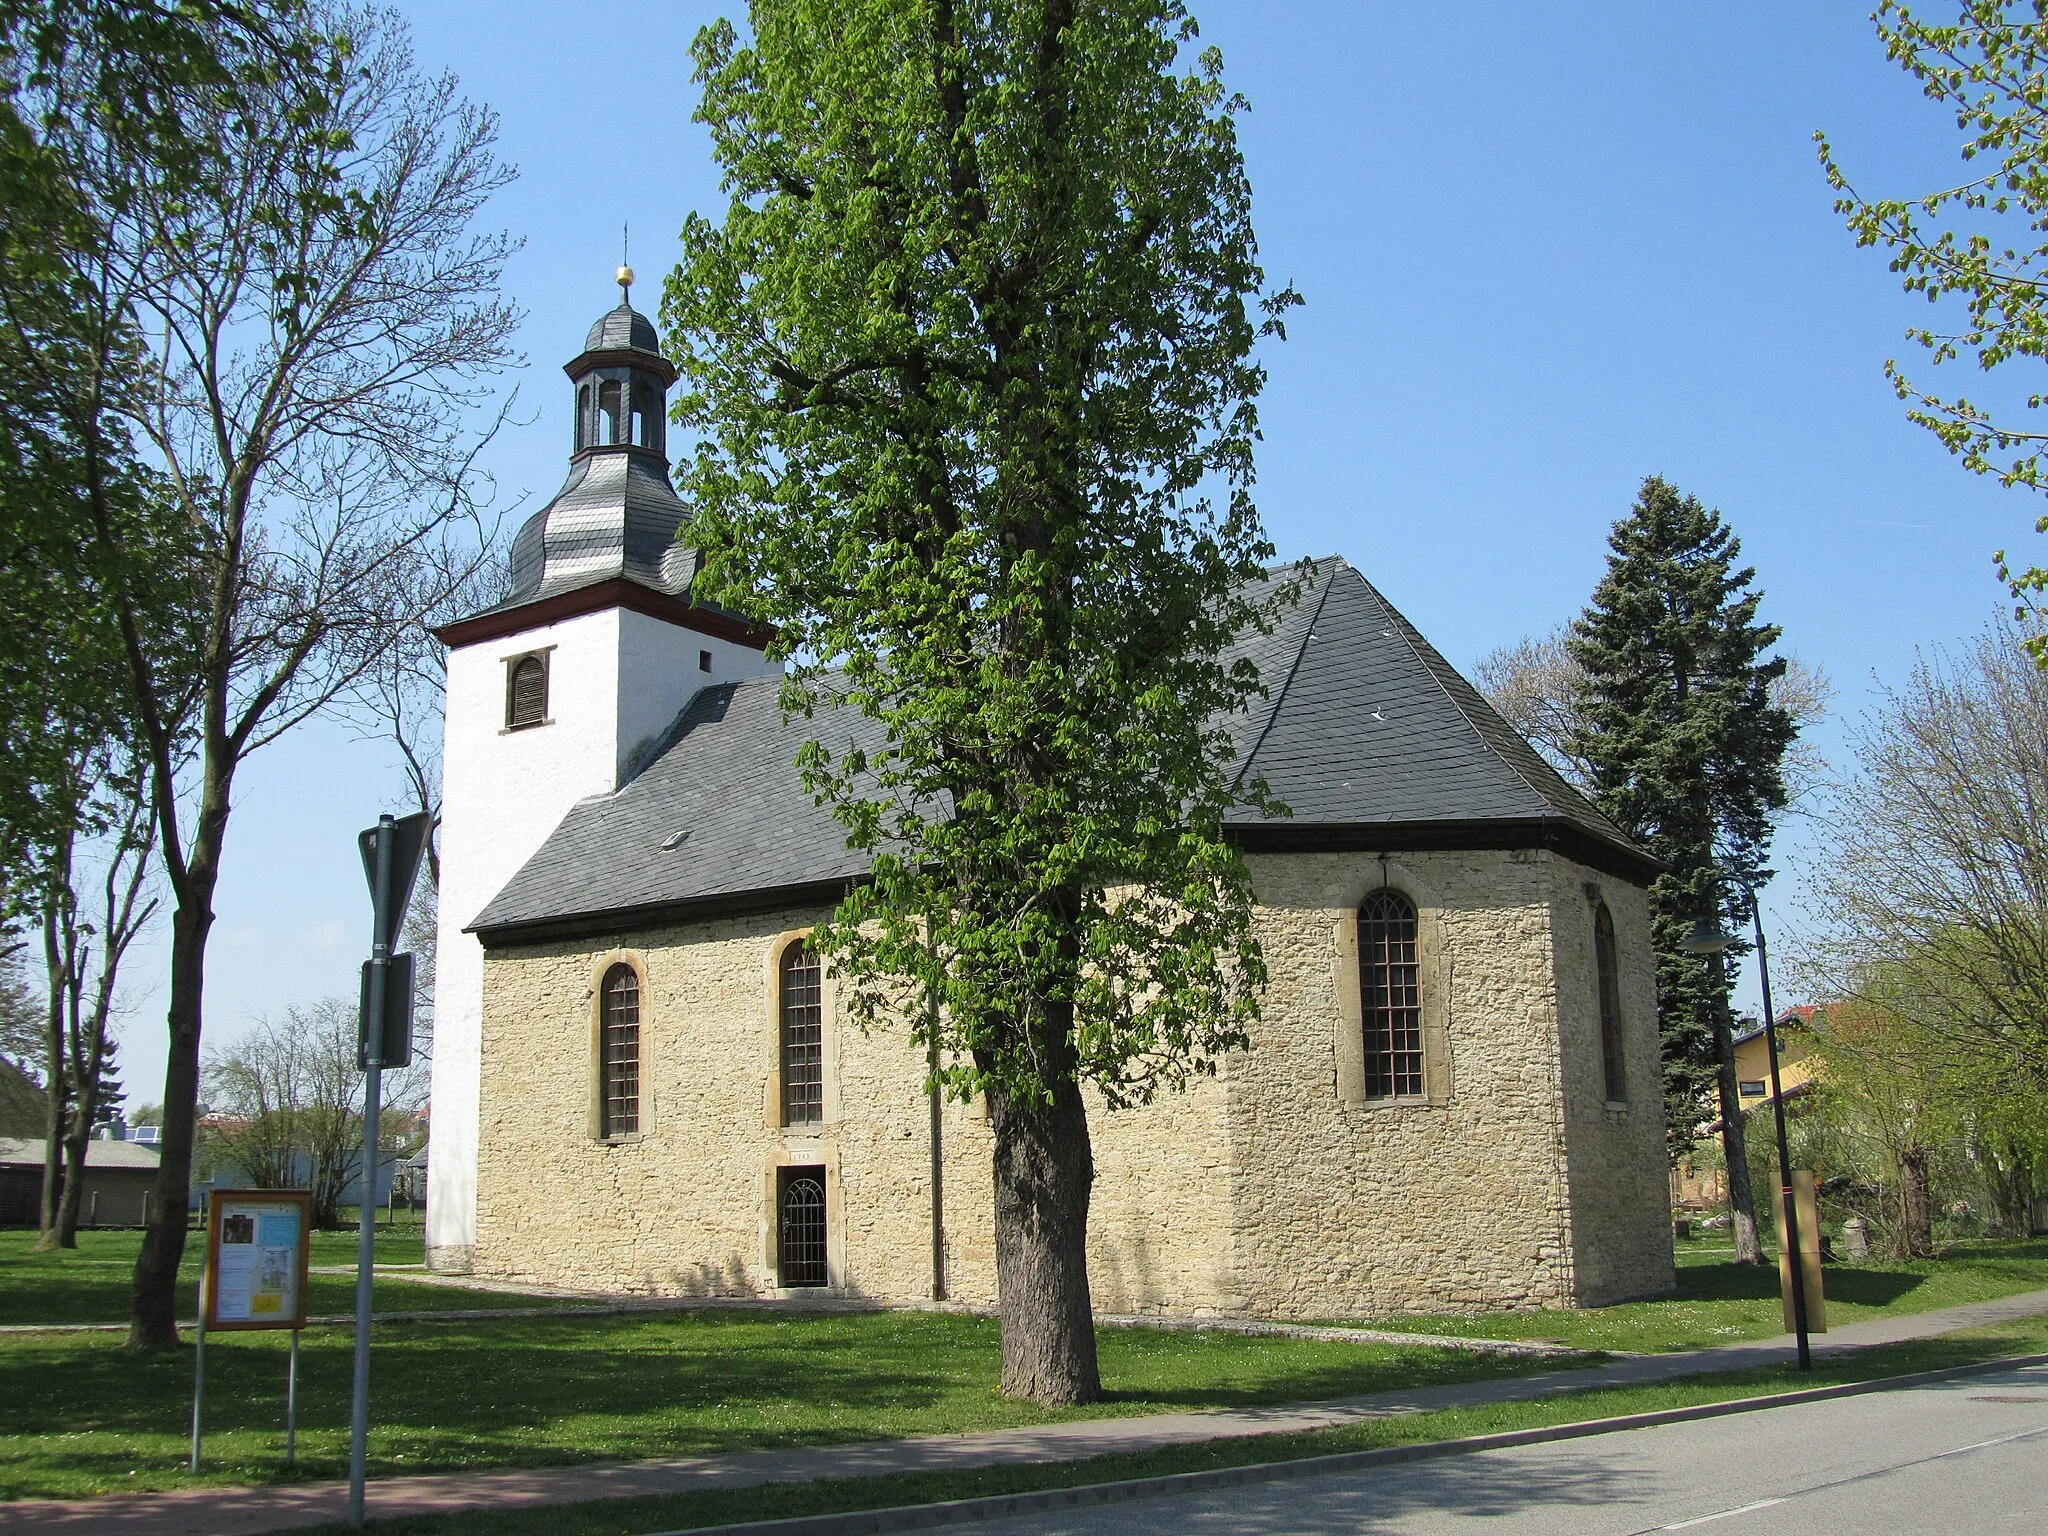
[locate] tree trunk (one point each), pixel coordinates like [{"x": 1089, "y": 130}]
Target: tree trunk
[
  {"x": 1915, "y": 1238},
  {"x": 1044, "y": 1175},
  {"x": 2010, "y": 1176},
  {"x": 89, "y": 1059},
  {"x": 153, "y": 1322},
  {"x": 76, "y": 1140},
  {"x": 58, "y": 1080},
  {"x": 1734, "y": 1149}
]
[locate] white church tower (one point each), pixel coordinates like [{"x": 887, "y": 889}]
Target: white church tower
[{"x": 553, "y": 694}]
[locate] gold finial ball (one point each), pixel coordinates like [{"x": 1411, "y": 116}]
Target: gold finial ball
[{"x": 625, "y": 277}]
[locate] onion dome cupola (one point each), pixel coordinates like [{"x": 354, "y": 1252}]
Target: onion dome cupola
[{"x": 616, "y": 515}]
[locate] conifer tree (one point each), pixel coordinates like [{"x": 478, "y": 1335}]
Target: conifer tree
[
  {"x": 1685, "y": 749},
  {"x": 112, "y": 1095}
]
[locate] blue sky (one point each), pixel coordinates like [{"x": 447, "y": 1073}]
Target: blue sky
[{"x": 1545, "y": 251}]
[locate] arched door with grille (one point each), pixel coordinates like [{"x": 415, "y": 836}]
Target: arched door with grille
[{"x": 800, "y": 1234}]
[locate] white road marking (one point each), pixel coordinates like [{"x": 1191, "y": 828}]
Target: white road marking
[
  {"x": 1686, "y": 1525},
  {"x": 1842, "y": 1482}
]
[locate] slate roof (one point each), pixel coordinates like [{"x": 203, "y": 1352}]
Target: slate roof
[
  {"x": 616, "y": 515},
  {"x": 1369, "y": 724},
  {"x": 622, "y": 328},
  {"x": 1367, "y": 735},
  {"x": 724, "y": 774}
]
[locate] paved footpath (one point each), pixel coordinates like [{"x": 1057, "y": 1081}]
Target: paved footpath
[{"x": 250, "y": 1511}]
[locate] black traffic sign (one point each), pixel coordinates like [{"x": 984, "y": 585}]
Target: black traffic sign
[{"x": 408, "y": 842}]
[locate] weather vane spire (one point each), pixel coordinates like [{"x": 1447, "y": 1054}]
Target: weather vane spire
[{"x": 625, "y": 273}]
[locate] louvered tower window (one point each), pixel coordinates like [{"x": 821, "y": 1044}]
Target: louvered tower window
[
  {"x": 526, "y": 693},
  {"x": 1611, "y": 1060},
  {"x": 803, "y": 1036},
  {"x": 620, "y": 1048},
  {"x": 1390, "y": 991}
]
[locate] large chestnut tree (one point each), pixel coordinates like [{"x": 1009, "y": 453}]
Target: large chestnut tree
[{"x": 971, "y": 357}]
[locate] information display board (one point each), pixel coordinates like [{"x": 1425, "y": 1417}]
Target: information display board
[{"x": 258, "y": 1242}]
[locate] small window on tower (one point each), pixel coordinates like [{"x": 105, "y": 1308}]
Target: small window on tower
[
  {"x": 611, "y": 411},
  {"x": 526, "y": 691},
  {"x": 703, "y": 661}
]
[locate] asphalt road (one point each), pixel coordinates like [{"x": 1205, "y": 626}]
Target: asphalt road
[{"x": 1967, "y": 1455}]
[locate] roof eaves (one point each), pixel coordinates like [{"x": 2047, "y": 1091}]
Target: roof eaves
[
  {"x": 1550, "y": 830},
  {"x": 577, "y": 925}
]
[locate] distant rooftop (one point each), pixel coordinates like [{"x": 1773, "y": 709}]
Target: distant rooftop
[{"x": 27, "y": 1151}]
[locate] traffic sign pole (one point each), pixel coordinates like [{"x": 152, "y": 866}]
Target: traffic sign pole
[
  {"x": 366, "y": 1235},
  {"x": 391, "y": 859}
]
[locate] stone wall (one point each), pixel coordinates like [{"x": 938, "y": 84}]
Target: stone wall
[
  {"x": 1618, "y": 1167},
  {"x": 1263, "y": 1190},
  {"x": 1461, "y": 1198}
]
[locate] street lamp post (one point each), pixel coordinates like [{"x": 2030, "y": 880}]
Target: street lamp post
[{"x": 1707, "y": 939}]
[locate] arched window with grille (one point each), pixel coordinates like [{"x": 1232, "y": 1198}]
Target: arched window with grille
[
  {"x": 1390, "y": 996},
  {"x": 800, "y": 1226},
  {"x": 619, "y": 1052},
  {"x": 1612, "y": 1062},
  {"x": 803, "y": 1036},
  {"x": 526, "y": 692}
]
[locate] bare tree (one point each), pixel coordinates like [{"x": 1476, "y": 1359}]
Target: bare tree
[
  {"x": 323, "y": 323},
  {"x": 21, "y": 1021},
  {"x": 1535, "y": 685},
  {"x": 83, "y": 956},
  {"x": 23, "y": 1107},
  {"x": 399, "y": 701},
  {"x": 1936, "y": 879},
  {"x": 287, "y": 1103}
]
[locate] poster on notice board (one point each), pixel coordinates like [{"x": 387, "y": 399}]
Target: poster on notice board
[{"x": 257, "y": 1247}]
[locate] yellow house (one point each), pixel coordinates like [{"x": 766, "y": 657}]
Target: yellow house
[{"x": 1753, "y": 1061}]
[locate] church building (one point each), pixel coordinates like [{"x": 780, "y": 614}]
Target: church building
[{"x": 643, "y": 1081}]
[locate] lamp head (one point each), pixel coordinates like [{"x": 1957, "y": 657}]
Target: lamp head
[{"x": 1706, "y": 938}]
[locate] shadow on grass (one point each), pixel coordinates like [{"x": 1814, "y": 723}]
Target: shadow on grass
[
  {"x": 545, "y": 1391},
  {"x": 94, "y": 1282},
  {"x": 1759, "y": 1282}
]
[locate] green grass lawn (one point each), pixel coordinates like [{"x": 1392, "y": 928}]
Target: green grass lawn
[
  {"x": 1719, "y": 1303},
  {"x": 402, "y": 1243},
  {"x": 621, "y": 1517},
  {"x": 80, "y": 1414},
  {"x": 90, "y": 1283}
]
